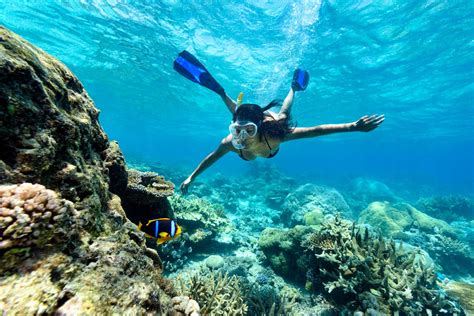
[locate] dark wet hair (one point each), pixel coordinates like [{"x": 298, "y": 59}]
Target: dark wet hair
[{"x": 256, "y": 114}]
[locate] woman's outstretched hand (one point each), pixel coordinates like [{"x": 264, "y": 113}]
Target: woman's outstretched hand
[
  {"x": 367, "y": 123},
  {"x": 185, "y": 185}
]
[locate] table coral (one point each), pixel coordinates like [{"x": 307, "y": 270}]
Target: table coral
[{"x": 147, "y": 188}]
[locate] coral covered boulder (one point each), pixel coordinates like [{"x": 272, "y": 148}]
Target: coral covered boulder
[
  {"x": 310, "y": 197},
  {"x": 395, "y": 218},
  {"x": 49, "y": 128},
  {"x": 282, "y": 248}
]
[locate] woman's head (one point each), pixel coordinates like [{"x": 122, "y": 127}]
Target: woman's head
[{"x": 253, "y": 113}]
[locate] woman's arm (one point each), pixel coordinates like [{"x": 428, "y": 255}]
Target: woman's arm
[
  {"x": 364, "y": 124},
  {"x": 286, "y": 107},
  {"x": 222, "y": 149}
]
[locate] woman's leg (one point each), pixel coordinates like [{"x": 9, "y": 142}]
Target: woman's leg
[{"x": 285, "y": 110}]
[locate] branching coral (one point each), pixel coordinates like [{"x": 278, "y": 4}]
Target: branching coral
[
  {"x": 31, "y": 215},
  {"x": 357, "y": 266},
  {"x": 217, "y": 294}
]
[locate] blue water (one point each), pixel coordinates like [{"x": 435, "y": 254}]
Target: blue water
[{"x": 410, "y": 60}]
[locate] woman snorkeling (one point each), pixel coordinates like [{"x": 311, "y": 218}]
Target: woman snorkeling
[{"x": 256, "y": 131}]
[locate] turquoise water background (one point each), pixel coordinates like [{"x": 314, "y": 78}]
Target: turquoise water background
[{"x": 410, "y": 60}]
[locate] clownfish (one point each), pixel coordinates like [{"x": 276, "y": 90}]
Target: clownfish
[{"x": 161, "y": 229}]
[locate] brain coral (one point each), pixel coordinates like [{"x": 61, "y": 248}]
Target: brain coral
[{"x": 31, "y": 215}]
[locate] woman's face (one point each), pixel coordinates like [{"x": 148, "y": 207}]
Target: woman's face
[{"x": 242, "y": 133}]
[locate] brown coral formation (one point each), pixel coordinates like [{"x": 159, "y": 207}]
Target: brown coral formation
[{"x": 31, "y": 215}]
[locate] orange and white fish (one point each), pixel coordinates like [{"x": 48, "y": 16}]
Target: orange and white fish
[{"x": 161, "y": 229}]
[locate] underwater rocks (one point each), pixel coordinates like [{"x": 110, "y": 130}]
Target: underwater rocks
[
  {"x": 117, "y": 171},
  {"x": 310, "y": 197},
  {"x": 361, "y": 192},
  {"x": 66, "y": 246}
]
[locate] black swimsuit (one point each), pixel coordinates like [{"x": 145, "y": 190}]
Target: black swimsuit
[{"x": 241, "y": 155}]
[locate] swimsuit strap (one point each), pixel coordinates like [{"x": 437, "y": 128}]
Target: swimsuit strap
[{"x": 267, "y": 142}]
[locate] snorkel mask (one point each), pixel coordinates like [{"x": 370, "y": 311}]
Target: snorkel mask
[{"x": 241, "y": 130}]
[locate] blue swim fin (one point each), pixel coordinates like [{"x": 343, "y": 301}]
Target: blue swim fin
[
  {"x": 188, "y": 66},
  {"x": 300, "y": 80}
]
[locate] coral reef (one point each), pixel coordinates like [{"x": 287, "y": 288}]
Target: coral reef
[
  {"x": 449, "y": 208},
  {"x": 362, "y": 271},
  {"x": 31, "y": 215},
  {"x": 49, "y": 128},
  {"x": 183, "y": 305},
  {"x": 147, "y": 188},
  {"x": 67, "y": 247},
  {"x": 452, "y": 256},
  {"x": 215, "y": 293},
  {"x": 105, "y": 275},
  {"x": 264, "y": 299},
  {"x": 310, "y": 197},
  {"x": 464, "y": 292}
]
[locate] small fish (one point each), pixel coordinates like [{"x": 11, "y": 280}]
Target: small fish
[{"x": 162, "y": 229}]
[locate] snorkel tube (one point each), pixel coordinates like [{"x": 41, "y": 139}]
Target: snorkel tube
[{"x": 239, "y": 100}]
